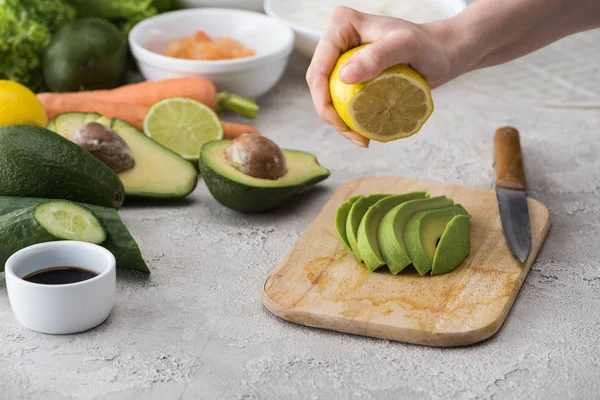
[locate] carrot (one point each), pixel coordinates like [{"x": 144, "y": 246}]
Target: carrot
[
  {"x": 56, "y": 104},
  {"x": 149, "y": 92},
  {"x": 231, "y": 130}
]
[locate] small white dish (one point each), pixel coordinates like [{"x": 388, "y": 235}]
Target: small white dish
[
  {"x": 252, "y": 5},
  {"x": 66, "y": 308},
  {"x": 308, "y": 37},
  {"x": 253, "y": 76}
]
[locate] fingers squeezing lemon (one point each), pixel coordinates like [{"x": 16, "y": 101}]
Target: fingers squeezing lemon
[{"x": 392, "y": 106}]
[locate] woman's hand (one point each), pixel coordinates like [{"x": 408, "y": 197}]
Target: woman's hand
[
  {"x": 488, "y": 32},
  {"x": 431, "y": 49}
]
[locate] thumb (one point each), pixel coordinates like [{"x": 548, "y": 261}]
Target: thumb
[{"x": 370, "y": 61}]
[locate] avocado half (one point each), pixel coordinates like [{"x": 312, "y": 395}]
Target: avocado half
[
  {"x": 158, "y": 173},
  {"x": 245, "y": 193}
]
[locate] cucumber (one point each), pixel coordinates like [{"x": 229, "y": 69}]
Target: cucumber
[
  {"x": 118, "y": 239},
  {"x": 46, "y": 222}
]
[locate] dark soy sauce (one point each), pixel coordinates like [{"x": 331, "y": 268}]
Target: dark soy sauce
[{"x": 60, "y": 275}]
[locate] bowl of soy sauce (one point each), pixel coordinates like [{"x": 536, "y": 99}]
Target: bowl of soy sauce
[{"x": 61, "y": 287}]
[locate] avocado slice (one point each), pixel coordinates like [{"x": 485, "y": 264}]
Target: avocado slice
[
  {"x": 158, "y": 172},
  {"x": 422, "y": 232},
  {"x": 357, "y": 211},
  {"x": 340, "y": 219},
  {"x": 368, "y": 246},
  {"x": 454, "y": 245},
  {"x": 391, "y": 228},
  {"x": 236, "y": 190}
]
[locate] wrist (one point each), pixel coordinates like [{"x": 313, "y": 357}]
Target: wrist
[{"x": 463, "y": 42}]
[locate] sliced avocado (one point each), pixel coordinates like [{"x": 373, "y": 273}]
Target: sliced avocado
[
  {"x": 236, "y": 190},
  {"x": 357, "y": 211},
  {"x": 367, "y": 230},
  {"x": 340, "y": 219},
  {"x": 391, "y": 228},
  {"x": 422, "y": 232},
  {"x": 158, "y": 172},
  {"x": 454, "y": 245}
]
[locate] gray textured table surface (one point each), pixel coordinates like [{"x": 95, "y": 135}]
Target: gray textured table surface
[{"x": 196, "y": 328}]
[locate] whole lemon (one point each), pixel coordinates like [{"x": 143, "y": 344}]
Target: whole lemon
[{"x": 19, "y": 105}]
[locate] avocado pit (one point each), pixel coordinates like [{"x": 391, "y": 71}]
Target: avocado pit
[
  {"x": 104, "y": 144},
  {"x": 256, "y": 156}
]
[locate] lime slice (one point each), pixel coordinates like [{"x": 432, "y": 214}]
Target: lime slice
[{"x": 182, "y": 125}]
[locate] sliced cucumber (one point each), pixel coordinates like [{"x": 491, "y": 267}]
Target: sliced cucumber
[
  {"x": 118, "y": 239},
  {"x": 46, "y": 222},
  {"x": 69, "y": 221}
]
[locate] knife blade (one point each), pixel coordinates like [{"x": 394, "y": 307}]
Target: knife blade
[{"x": 511, "y": 191}]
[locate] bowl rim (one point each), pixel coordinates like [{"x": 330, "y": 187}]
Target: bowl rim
[
  {"x": 89, "y": 248},
  {"x": 268, "y": 7},
  {"x": 143, "y": 54}
]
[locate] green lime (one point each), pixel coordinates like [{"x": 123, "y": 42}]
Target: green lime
[{"x": 182, "y": 125}]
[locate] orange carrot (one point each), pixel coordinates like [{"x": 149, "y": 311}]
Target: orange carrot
[
  {"x": 56, "y": 104},
  {"x": 231, "y": 130},
  {"x": 149, "y": 92}
]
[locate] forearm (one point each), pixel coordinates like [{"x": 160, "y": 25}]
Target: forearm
[{"x": 497, "y": 31}]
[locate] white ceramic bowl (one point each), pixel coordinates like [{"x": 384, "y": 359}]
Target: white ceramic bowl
[
  {"x": 252, "y": 5},
  {"x": 61, "y": 309},
  {"x": 250, "y": 76},
  {"x": 307, "y": 37}
]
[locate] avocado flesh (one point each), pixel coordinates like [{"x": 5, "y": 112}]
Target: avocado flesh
[
  {"x": 368, "y": 246},
  {"x": 391, "y": 228},
  {"x": 341, "y": 216},
  {"x": 454, "y": 245},
  {"x": 245, "y": 193},
  {"x": 158, "y": 172},
  {"x": 423, "y": 231},
  {"x": 357, "y": 211}
]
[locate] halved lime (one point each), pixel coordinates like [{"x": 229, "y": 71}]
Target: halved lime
[{"x": 182, "y": 125}]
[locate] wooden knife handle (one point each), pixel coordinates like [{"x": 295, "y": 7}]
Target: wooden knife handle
[{"x": 509, "y": 159}]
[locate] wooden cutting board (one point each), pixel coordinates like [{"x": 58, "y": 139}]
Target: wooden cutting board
[{"x": 319, "y": 283}]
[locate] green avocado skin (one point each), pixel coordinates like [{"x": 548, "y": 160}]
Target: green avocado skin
[
  {"x": 367, "y": 230},
  {"x": 86, "y": 54},
  {"x": 391, "y": 229},
  {"x": 454, "y": 246},
  {"x": 423, "y": 231},
  {"x": 36, "y": 162},
  {"x": 118, "y": 239},
  {"x": 246, "y": 198}
]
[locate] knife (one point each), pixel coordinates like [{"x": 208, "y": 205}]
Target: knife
[{"x": 510, "y": 191}]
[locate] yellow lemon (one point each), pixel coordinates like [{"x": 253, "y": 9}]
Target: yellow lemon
[
  {"x": 393, "y": 105},
  {"x": 19, "y": 105}
]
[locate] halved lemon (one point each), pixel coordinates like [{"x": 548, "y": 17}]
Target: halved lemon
[
  {"x": 392, "y": 106},
  {"x": 183, "y": 125}
]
